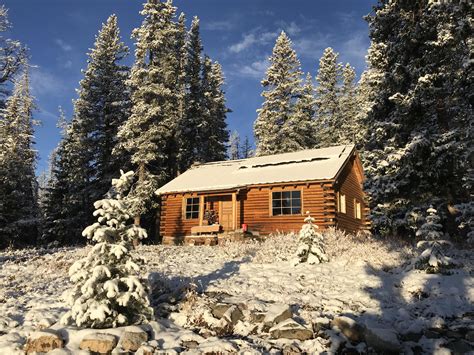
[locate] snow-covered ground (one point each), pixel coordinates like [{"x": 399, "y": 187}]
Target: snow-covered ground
[{"x": 366, "y": 280}]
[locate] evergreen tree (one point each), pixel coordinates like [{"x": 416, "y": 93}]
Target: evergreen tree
[
  {"x": 213, "y": 127},
  {"x": 329, "y": 121},
  {"x": 108, "y": 290},
  {"x": 300, "y": 127},
  {"x": 246, "y": 150},
  {"x": 348, "y": 107},
  {"x": 192, "y": 126},
  {"x": 148, "y": 132},
  {"x": 432, "y": 258},
  {"x": 234, "y": 146},
  {"x": 311, "y": 244},
  {"x": 282, "y": 84},
  {"x": 83, "y": 161},
  {"x": 12, "y": 57},
  {"x": 418, "y": 150},
  {"x": 18, "y": 187}
]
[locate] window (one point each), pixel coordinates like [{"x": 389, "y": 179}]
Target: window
[
  {"x": 192, "y": 208},
  {"x": 357, "y": 210},
  {"x": 341, "y": 203},
  {"x": 286, "y": 203}
]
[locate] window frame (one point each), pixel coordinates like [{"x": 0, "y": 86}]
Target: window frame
[
  {"x": 357, "y": 209},
  {"x": 192, "y": 212},
  {"x": 281, "y": 190},
  {"x": 341, "y": 203}
]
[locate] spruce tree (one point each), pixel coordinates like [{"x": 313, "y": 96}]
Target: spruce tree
[
  {"x": 419, "y": 148},
  {"x": 18, "y": 186},
  {"x": 246, "y": 150},
  {"x": 191, "y": 127},
  {"x": 311, "y": 244},
  {"x": 101, "y": 107},
  {"x": 329, "y": 122},
  {"x": 282, "y": 84},
  {"x": 348, "y": 107},
  {"x": 234, "y": 146},
  {"x": 432, "y": 258},
  {"x": 150, "y": 128},
  {"x": 301, "y": 127},
  {"x": 213, "y": 127},
  {"x": 12, "y": 56},
  {"x": 108, "y": 289}
]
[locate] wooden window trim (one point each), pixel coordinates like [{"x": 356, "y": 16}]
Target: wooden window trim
[
  {"x": 185, "y": 203},
  {"x": 283, "y": 189},
  {"x": 341, "y": 196}
]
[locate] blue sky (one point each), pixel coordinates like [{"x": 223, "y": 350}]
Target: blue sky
[{"x": 240, "y": 34}]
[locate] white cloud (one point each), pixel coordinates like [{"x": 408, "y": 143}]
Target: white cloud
[
  {"x": 291, "y": 28},
  {"x": 66, "y": 47},
  {"x": 226, "y": 25},
  {"x": 253, "y": 39},
  {"x": 44, "y": 83},
  {"x": 254, "y": 70},
  {"x": 355, "y": 48},
  {"x": 313, "y": 46}
]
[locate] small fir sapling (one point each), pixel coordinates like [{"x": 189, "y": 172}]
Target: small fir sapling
[
  {"x": 311, "y": 244},
  {"x": 432, "y": 258},
  {"x": 108, "y": 291}
]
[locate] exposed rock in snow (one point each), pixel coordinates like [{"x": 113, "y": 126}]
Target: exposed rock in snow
[
  {"x": 277, "y": 313},
  {"x": 349, "y": 327},
  {"x": 43, "y": 341},
  {"x": 383, "y": 340},
  {"x": 99, "y": 343},
  {"x": 289, "y": 329},
  {"x": 233, "y": 315},
  {"x": 132, "y": 338},
  {"x": 219, "y": 309}
]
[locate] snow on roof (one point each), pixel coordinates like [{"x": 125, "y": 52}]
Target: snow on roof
[{"x": 305, "y": 165}]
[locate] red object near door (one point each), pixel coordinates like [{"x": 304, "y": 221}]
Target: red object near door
[{"x": 244, "y": 227}]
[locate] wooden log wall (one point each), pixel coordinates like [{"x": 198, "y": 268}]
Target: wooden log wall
[{"x": 350, "y": 183}]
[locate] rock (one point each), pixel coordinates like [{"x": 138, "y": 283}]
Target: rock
[
  {"x": 219, "y": 309},
  {"x": 411, "y": 336},
  {"x": 289, "y": 329},
  {"x": 257, "y": 317},
  {"x": 46, "y": 323},
  {"x": 190, "y": 344},
  {"x": 470, "y": 336},
  {"x": 99, "y": 342},
  {"x": 320, "y": 323},
  {"x": 145, "y": 350},
  {"x": 291, "y": 349},
  {"x": 430, "y": 334},
  {"x": 349, "y": 327},
  {"x": 233, "y": 315},
  {"x": 245, "y": 328},
  {"x": 383, "y": 340},
  {"x": 459, "y": 347},
  {"x": 44, "y": 341},
  {"x": 276, "y": 314},
  {"x": 132, "y": 338}
]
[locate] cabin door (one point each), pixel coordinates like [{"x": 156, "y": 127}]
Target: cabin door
[{"x": 226, "y": 214}]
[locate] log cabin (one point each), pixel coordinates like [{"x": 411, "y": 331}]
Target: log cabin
[{"x": 266, "y": 194}]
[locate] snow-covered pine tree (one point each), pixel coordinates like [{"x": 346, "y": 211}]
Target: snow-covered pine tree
[
  {"x": 348, "y": 106},
  {"x": 419, "y": 147},
  {"x": 311, "y": 244},
  {"x": 432, "y": 258},
  {"x": 213, "y": 127},
  {"x": 18, "y": 187},
  {"x": 102, "y": 106},
  {"x": 282, "y": 87},
  {"x": 246, "y": 150},
  {"x": 328, "y": 113},
  {"x": 61, "y": 224},
  {"x": 191, "y": 127},
  {"x": 234, "y": 146},
  {"x": 12, "y": 56},
  {"x": 149, "y": 131},
  {"x": 108, "y": 289},
  {"x": 300, "y": 127}
]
